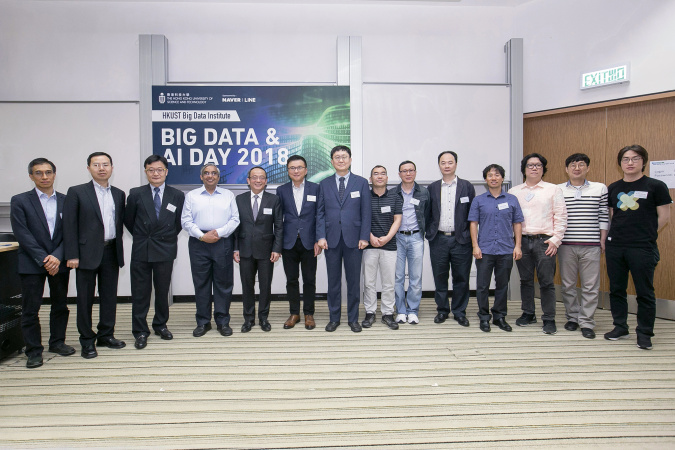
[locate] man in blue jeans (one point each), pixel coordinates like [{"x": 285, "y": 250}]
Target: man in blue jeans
[
  {"x": 496, "y": 224},
  {"x": 410, "y": 243}
]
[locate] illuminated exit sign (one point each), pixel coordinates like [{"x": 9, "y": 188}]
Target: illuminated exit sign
[{"x": 605, "y": 77}]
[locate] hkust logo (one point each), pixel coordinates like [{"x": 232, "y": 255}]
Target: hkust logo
[
  {"x": 162, "y": 98},
  {"x": 628, "y": 201},
  {"x": 226, "y": 98}
]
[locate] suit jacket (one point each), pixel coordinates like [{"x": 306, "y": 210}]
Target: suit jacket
[
  {"x": 31, "y": 230},
  {"x": 303, "y": 224},
  {"x": 349, "y": 218},
  {"x": 259, "y": 238},
  {"x": 83, "y": 233},
  {"x": 155, "y": 239},
  {"x": 464, "y": 190}
]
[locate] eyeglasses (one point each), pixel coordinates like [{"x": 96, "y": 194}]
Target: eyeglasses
[
  {"x": 40, "y": 174},
  {"x": 534, "y": 166},
  {"x": 341, "y": 157},
  {"x": 580, "y": 165},
  {"x": 100, "y": 165},
  {"x": 635, "y": 159},
  {"x": 157, "y": 171},
  {"x": 407, "y": 171},
  {"x": 260, "y": 178},
  {"x": 296, "y": 168}
]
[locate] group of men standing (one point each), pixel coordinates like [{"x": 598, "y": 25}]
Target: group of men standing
[{"x": 366, "y": 231}]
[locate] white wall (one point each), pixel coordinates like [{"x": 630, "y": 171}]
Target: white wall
[{"x": 564, "y": 38}]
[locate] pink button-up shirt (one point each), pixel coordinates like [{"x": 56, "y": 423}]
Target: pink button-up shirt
[{"x": 544, "y": 209}]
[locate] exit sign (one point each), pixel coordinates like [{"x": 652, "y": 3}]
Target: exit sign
[{"x": 605, "y": 77}]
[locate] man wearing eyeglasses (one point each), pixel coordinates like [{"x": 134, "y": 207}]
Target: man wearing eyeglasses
[
  {"x": 543, "y": 207},
  {"x": 298, "y": 203},
  {"x": 93, "y": 217},
  {"x": 639, "y": 209},
  {"x": 210, "y": 216},
  {"x": 152, "y": 217},
  {"x": 582, "y": 245},
  {"x": 257, "y": 246}
]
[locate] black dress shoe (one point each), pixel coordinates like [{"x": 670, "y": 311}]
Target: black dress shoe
[
  {"x": 571, "y": 326},
  {"x": 462, "y": 320},
  {"x": 225, "y": 330},
  {"x": 246, "y": 327},
  {"x": 201, "y": 329},
  {"x": 332, "y": 326},
  {"x": 110, "y": 342},
  {"x": 265, "y": 325},
  {"x": 501, "y": 323},
  {"x": 62, "y": 349},
  {"x": 368, "y": 321},
  {"x": 588, "y": 333},
  {"x": 440, "y": 318},
  {"x": 141, "y": 341},
  {"x": 89, "y": 351},
  {"x": 485, "y": 326},
  {"x": 355, "y": 326},
  {"x": 34, "y": 361},
  {"x": 164, "y": 333}
]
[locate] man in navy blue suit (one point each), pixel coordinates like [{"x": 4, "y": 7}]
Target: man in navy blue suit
[
  {"x": 298, "y": 203},
  {"x": 37, "y": 224},
  {"x": 343, "y": 229}
]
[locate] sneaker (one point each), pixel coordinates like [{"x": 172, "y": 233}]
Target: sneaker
[
  {"x": 388, "y": 320},
  {"x": 400, "y": 318},
  {"x": 644, "y": 342},
  {"x": 368, "y": 321},
  {"x": 571, "y": 326},
  {"x": 588, "y": 333},
  {"x": 412, "y": 319},
  {"x": 616, "y": 334},
  {"x": 549, "y": 327},
  {"x": 526, "y": 319}
]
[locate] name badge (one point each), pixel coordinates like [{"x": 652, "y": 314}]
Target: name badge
[
  {"x": 267, "y": 211},
  {"x": 414, "y": 201},
  {"x": 171, "y": 207},
  {"x": 640, "y": 194},
  {"x": 355, "y": 194},
  {"x": 529, "y": 197},
  {"x": 386, "y": 209},
  {"x": 577, "y": 195},
  {"x": 464, "y": 199},
  {"x": 503, "y": 205},
  {"x": 61, "y": 215},
  {"x": 311, "y": 198}
]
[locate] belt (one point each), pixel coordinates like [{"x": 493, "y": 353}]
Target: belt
[
  {"x": 409, "y": 233},
  {"x": 109, "y": 242},
  {"x": 447, "y": 233},
  {"x": 537, "y": 236}
]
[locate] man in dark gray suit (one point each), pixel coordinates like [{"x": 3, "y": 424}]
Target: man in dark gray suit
[
  {"x": 93, "y": 217},
  {"x": 257, "y": 245},
  {"x": 38, "y": 227},
  {"x": 153, "y": 216}
]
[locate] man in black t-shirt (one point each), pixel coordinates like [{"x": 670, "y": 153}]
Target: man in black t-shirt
[{"x": 639, "y": 208}]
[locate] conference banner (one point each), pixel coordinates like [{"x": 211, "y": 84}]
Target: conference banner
[{"x": 239, "y": 127}]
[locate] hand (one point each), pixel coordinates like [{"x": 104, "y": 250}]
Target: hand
[
  {"x": 235, "y": 256},
  {"x": 323, "y": 244},
  {"x": 602, "y": 246},
  {"x": 477, "y": 253},
  {"x": 517, "y": 253},
  {"x": 73, "y": 263},
  {"x": 375, "y": 242},
  {"x": 275, "y": 257},
  {"x": 552, "y": 249},
  {"x": 52, "y": 264},
  {"x": 317, "y": 250},
  {"x": 210, "y": 237},
  {"x": 363, "y": 244}
]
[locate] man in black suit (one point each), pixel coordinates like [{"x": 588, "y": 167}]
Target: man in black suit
[
  {"x": 93, "y": 214},
  {"x": 447, "y": 230},
  {"x": 153, "y": 216},
  {"x": 38, "y": 227},
  {"x": 257, "y": 245}
]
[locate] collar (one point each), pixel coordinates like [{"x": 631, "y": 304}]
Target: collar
[
  {"x": 302, "y": 185},
  {"x": 346, "y": 177},
  {"x": 443, "y": 183},
  {"x": 41, "y": 194},
  {"x": 161, "y": 188},
  {"x": 373, "y": 194},
  {"x": 260, "y": 195},
  {"x": 586, "y": 183},
  {"x": 98, "y": 186},
  {"x": 202, "y": 191},
  {"x": 538, "y": 185}
]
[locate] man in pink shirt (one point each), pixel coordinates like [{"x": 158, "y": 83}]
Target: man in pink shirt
[{"x": 543, "y": 206}]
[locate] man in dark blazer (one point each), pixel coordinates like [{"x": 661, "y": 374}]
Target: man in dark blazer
[
  {"x": 447, "y": 230},
  {"x": 298, "y": 203},
  {"x": 152, "y": 216},
  {"x": 93, "y": 217},
  {"x": 257, "y": 245},
  {"x": 343, "y": 229},
  {"x": 38, "y": 227}
]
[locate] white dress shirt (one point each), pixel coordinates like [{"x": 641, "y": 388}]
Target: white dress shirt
[
  {"x": 298, "y": 193},
  {"x": 204, "y": 211},
  {"x": 107, "y": 205},
  {"x": 49, "y": 207},
  {"x": 448, "y": 194}
]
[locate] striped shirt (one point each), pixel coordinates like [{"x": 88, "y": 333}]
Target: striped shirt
[
  {"x": 383, "y": 209},
  {"x": 587, "y": 212}
]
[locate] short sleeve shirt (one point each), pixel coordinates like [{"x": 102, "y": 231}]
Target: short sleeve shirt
[
  {"x": 383, "y": 209},
  {"x": 495, "y": 217}
]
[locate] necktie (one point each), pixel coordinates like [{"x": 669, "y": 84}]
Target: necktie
[
  {"x": 255, "y": 207},
  {"x": 342, "y": 188},
  {"x": 158, "y": 202}
]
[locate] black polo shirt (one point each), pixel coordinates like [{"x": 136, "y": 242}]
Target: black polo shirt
[{"x": 383, "y": 210}]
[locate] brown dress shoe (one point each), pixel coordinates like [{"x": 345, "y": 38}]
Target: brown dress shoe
[
  {"x": 290, "y": 323},
  {"x": 309, "y": 322}
]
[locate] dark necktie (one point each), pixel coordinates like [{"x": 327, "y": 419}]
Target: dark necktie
[
  {"x": 158, "y": 202},
  {"x": 342, "y": 188},
  {"x": 255, "y": 207}
]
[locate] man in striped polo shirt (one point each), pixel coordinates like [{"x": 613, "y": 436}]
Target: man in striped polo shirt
[{"x": 584, "y": 241}]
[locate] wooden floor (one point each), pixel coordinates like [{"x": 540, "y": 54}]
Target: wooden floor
[{"x": 425, "y": 386}]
